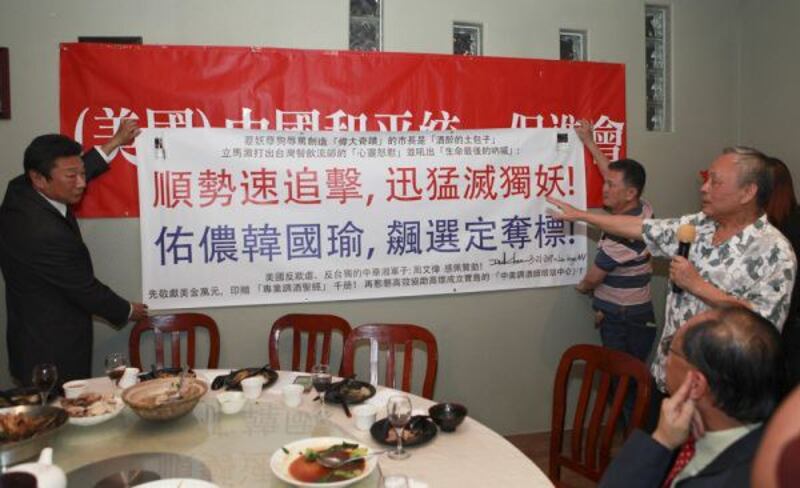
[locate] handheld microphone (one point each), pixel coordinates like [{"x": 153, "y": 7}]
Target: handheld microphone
[{"x": 685, "y": 234}]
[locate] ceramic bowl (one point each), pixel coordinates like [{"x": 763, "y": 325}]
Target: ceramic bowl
[
  {"x": 231, "y": 401},
  {"x": 74, "y": 389},
  {"x": 448, "y": 416}
]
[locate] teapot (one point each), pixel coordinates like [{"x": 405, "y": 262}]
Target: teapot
[{"x": 47, "y": 474}]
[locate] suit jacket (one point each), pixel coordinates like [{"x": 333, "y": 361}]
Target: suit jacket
[
  {"x": 644, "y": 463},
  {"x": 51, "y": 290}
]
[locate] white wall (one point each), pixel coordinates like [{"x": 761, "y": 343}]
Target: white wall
[
  {"x": 498, "y": 351},
  {"x": 770, "y": 73}
]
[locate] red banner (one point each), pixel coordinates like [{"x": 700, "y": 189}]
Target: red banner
[{"x": 284, "y": 89}]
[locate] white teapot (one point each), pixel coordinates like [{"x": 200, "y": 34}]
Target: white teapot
[{"x": 47, "y": 474}]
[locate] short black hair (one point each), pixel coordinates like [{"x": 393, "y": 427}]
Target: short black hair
[
  {"x": 42, "y": 152},
  {"x": 739, "y": 352},
  {"x": 633, "y": 174}
]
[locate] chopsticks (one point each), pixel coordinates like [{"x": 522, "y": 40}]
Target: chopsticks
[{"x": 345, "y": 407}]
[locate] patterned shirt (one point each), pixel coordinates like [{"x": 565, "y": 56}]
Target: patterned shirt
[
  {"x": 627, "y": 264},
  {"x": 756, "y": 265}
]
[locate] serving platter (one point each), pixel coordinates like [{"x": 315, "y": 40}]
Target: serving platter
[
  {"x": 233, "y": 380},
  {"x": 90, "y": 420},
  {"x": 12, "y": 452},
  {"x": 421, "y": 426},
  {"x": 353, "y": 391}
]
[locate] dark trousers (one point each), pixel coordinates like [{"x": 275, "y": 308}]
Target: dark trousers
[{"x": 630, "y": 335}]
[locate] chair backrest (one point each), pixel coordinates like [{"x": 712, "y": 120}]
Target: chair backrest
[
  {"x": 310, "y": 326},
  {"x": 590, "y": 454},
  {"x": 390, "y": 336},
  {"x": 174, "y": 326}
]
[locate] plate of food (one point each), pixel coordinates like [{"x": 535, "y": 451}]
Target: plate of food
[
  {"x": 233, "y": 381},
  {"x": 297, "y": 463},
  {"x": 353, "y": 391},
  {"x": 165, "y": 373},
  {"x": 27, "y": 429},
  {"x": 420, "y": 430},
  {"x": 92, "y": 408}
]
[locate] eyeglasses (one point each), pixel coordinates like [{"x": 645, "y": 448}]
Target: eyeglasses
[{"x": 666, "y": 347}]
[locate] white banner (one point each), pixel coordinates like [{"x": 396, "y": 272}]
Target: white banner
[{"x": 239, "y": 217}]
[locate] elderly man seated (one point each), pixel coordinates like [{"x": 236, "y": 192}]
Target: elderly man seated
[{"x": 724, "y": 373}]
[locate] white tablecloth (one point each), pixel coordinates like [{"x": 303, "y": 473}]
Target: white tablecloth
[{"x": 237, "y": 448}]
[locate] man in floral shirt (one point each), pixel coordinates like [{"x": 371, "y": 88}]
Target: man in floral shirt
[{"x": 737, "y": 257}]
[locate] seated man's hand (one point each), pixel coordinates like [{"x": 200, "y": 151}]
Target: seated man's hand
[{"x": 678, "y": 417}]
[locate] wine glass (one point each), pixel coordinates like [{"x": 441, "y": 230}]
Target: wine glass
[
  {"x": 398, "y": 410},
  {"x": 321, "y": 379},
  {"x": 44, "y": 378},
  {"x": 116, "y": 362}
]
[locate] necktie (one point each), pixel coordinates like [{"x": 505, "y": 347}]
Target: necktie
[
  {"x": 73, "y": 222},
  {"x": 685, "y": 455}
]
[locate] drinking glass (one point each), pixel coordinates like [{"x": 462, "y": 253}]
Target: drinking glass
[
  {"x": 321, "y": 379},
  {"x": 116, "y": 362},
  {"x": 396, "y": 481},
  {"x": 398, "y": 410},
  {"x": 44, "y": 378}
]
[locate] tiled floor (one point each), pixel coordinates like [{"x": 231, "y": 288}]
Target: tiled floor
[{"x": 537, "y": 446}]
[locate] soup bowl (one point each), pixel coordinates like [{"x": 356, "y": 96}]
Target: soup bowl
[{"x": 448, "y": 416}]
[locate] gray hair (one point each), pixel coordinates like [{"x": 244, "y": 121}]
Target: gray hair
[{"x": 753, "y": 170}]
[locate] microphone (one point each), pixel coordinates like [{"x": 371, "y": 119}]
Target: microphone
[{"x": 685, "y": 234}]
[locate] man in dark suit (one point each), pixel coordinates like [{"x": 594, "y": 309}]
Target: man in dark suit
[
  {"x": 51, "y": 290},
  {"x": 724, "y": 370}
]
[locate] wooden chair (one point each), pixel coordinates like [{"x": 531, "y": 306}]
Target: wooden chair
[
  {"x": 308, "y": 325},
  {"x": 391, "y": 336},
  {"x": 174, "y": 326},
  {"x": 590, "y": 456}
]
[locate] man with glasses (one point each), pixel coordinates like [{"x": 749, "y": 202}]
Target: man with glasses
[
  {"x": 724, "y": 371},
  {"x": 737, "y": 257}
]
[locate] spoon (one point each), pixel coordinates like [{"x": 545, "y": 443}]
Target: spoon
[{"x": 332, "y": 461}]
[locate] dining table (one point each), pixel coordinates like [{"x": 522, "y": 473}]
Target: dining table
[{"x": 234, "y": 450}]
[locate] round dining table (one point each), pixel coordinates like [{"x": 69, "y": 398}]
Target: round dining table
[{"x": 235, "y": 450}]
